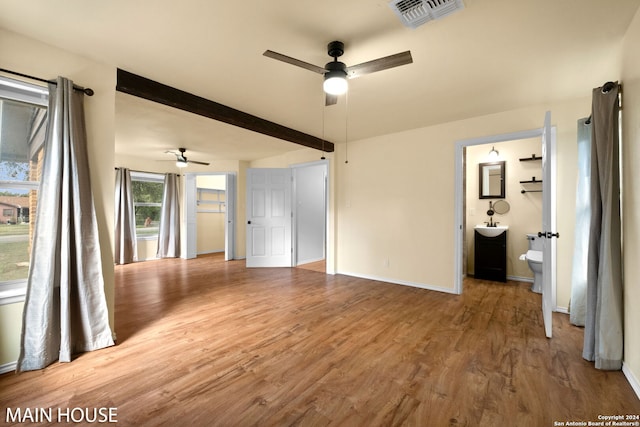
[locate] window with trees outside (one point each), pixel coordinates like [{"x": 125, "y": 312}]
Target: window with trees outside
[
  {"x": 23, "y": 122},
  {"x": 147, "y": 189}
]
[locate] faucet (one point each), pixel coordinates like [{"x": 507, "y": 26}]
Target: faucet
[{"x": 491, "y": 223}]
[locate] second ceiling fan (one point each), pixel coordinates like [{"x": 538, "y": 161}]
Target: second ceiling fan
[
  {"x": 336, "y": 73},
  {"x": 181, "y": 159}
]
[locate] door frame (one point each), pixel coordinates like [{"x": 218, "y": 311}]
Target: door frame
[
  {"x": 329, "y": 253},
  {"x": 325, "y": 195},
  {"x": 189, "y": 243},
  {"x": 459, "y": 195}
]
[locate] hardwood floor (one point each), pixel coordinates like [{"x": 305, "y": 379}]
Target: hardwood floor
[
  {"x": 319, "y": 266},
  {"x": 210, "y": 343}
]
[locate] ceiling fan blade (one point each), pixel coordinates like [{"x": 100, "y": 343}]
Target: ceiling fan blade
[
  {"x": 294, "y": 61},
  {"x": 379, "y": 64},
  {"x": 330, "y": 99},
  {"x": 198, "y": 163}
]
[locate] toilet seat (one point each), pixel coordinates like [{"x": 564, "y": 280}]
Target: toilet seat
[{"x": 534, "y": 256}]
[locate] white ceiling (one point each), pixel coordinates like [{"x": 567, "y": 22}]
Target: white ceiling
[{"x": 493, "y": 56}]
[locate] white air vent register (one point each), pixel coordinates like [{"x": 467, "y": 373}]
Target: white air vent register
[{"x": 414, "y": 13}]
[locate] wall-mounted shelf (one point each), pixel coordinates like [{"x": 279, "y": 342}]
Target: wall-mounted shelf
[
  {"x": 528, "y": 159},
  {"x": 533, "y": 181},
  {"x": 536, "y": 183}
]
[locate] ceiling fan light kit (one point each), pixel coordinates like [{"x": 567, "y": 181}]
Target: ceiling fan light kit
[
  {"x": 181, "y": 159},
  {"x": 414, "y": 13},
  {"x": 335, "y": 80},
  {"x": 336, "y": 73}
]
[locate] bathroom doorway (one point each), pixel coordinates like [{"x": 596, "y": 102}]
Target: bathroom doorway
[
  {"x": 461, "y": 190},
  {"x": 519, "y": 209}
]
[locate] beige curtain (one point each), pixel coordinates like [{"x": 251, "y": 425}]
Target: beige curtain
[
  {"x": 125, "y": 220},
  {"x": 169, "y": 229},
  {"x": 65, "y": 309},
  {"x": 603, "y": 326}
]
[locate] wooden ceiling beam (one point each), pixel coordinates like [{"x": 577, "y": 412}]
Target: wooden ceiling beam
[{"x": 151, "y": 90}]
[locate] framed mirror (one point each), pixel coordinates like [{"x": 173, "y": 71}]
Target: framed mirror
[{"x": 491, "y": 179}]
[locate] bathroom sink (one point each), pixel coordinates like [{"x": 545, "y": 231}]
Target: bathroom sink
[{"x": 487, "y": 231}]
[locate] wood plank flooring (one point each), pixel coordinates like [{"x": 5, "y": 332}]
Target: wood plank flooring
[{"x": 210, "y": 343}]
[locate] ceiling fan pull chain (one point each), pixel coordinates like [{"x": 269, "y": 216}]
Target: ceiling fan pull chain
[
  {"x": 323, "y": 107},
  {"x": 346, "y": 128}
]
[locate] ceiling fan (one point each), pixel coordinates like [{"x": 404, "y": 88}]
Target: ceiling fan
[
  {"x": 181, "y": 159},
  {"x": 336, "y": 73}
]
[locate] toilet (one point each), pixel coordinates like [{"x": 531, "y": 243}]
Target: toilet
[{"x": 534, "y": 259}]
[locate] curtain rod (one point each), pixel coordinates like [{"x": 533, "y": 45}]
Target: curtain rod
[
  {"x": 157, "y": 173},
  {"x": 605, "y": 89},
  {"x": 87, "y": 91}
]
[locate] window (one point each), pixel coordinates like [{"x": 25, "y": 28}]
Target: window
[
  {"x": 147, "y": 189},
  {"x": 23, "y": 120}
]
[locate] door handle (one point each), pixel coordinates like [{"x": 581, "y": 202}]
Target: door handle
[{"x": 248, "y": 222}]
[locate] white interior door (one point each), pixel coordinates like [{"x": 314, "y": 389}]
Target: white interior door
[
  {"x": 548, "y": 232},
  {"x": 269, "y": 217}
]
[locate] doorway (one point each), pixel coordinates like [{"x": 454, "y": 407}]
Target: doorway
[
  {"x": 210, "y": 214},
  {"x": 460, "y": 198},
  {"x": 286, "y": 216},
  {"x": 515, "y": 202},
  {"x": 309, "y": 213}
]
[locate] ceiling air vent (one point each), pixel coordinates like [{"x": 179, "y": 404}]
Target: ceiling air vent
[{"x": 414, "y": 13}]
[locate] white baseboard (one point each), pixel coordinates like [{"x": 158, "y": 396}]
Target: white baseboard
[
  {"x": 635, "y": 384},
  {"x": 8, "y": 367},
  {"x": 147, "y": 259},
  {"x": 400, "y": 282},
  {"x": 520, "y": 279},
  {"x": 216, "y": 251}
]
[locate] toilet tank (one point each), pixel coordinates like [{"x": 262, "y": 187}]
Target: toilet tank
[{"x": 535, "y": 242}]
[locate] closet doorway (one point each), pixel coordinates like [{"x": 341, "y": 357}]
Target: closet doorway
[{"x": 210, "y": 214}]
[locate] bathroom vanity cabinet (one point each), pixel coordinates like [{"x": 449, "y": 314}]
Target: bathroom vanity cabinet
[{"x": 491, "y": 257}]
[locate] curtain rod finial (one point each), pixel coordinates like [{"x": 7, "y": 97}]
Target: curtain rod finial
[{"x": 607, "y": 87}]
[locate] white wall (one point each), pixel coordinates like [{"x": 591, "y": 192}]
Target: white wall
[
  {"x": 10, "y": 328},
  {"x": 631, "y": 199}
]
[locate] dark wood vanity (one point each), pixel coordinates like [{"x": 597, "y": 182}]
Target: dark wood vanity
[{"x": 491, "y": 257}]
